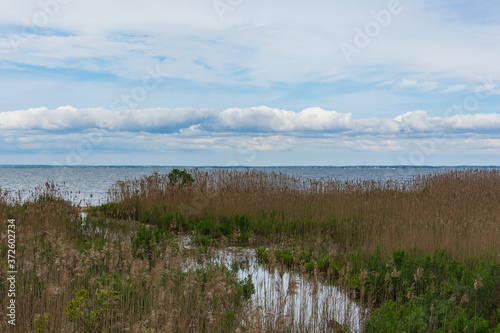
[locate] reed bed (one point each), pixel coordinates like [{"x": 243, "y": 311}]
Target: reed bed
[
  {"x": 79, "y": 274},
  {"x": 417, "y": 256},
  {"x": 457, "y": 211}
]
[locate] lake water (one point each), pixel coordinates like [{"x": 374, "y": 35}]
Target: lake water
[{"x": 89, "y": 185}]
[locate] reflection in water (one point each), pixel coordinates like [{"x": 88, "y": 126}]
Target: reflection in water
[{"x": 280, "y": 294}]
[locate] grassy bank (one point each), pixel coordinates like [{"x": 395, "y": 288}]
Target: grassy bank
[
  {"x": 86, "y": 275},
  {"x": 422, "y": 256},
  {"x": 457, "y": 211}
]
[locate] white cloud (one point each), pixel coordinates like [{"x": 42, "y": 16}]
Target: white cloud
[
  {"x": 416, "y": 121},
  {"x": 426, "y": 85},
  {"x": 68, "y": 118},
  {"x": 195, "y": 122},
  {"x": 275, "y": 120},
  {"x": 405, "y": 83},
  {"x": 250, "y": 136},
  {"x": 454, "y": 88},
  {"x": 279, "y": 41},
  {"x": 473, "y": 122}
]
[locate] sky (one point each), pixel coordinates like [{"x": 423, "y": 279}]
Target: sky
[{"x": 257, "y": 83}]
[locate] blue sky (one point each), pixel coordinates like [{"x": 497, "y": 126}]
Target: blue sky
[{"x": 240, "y": 82}]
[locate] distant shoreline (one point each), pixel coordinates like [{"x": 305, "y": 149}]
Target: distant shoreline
[{"x": 41, "y": 166}]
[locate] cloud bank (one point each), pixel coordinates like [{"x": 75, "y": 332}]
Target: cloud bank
[
  {"x": 243, "y": 136},
  {"x": 261, "y": 119}
]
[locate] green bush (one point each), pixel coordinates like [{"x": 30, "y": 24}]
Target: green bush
[
  {"x": 226, "y": 226},
  {"x": 180, "y": 178},
  {"x": 309, "y": 266},
  {"x": 243, "y": 222},
  {"x": 148, "y": 239},
  {"x": 393, "y": 317},
  {"x": 323, "y": 263},
  {"x": 206, "y": 240},
  {"x": 244, "y": 237},
  {"x": 42, "y": 322},
  {"x": 207, "y": 226},
  {"x": 262, "y": 254},
  {"x": 285, "y": 256},
  {"x": 90, "y": 314}
]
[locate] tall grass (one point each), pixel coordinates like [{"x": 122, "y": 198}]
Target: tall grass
[
  {"x": 123, "y": 269},
  {"x": 458, "y": 211},
  {"x": 379, "y": 239},
  {"x": 79, "y": 274}
]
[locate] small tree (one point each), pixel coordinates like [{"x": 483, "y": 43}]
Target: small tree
[{"x": 180, "y": 178}]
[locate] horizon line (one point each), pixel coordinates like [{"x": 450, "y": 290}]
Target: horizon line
[{"x": 245, "y": 166}]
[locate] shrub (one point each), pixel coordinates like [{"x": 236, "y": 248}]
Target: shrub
[
  {"x": 394, "y": 318},
  {"x": 89, "y": 314},
  {"x": 180, "y": 178},
  {"x": 148, "y": 239},
  {"x": 452, "y": 295},
  {"x": 42, "y": 322}
]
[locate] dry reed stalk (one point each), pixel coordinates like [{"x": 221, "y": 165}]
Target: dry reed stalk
[{"x": 458, "y": 211}]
